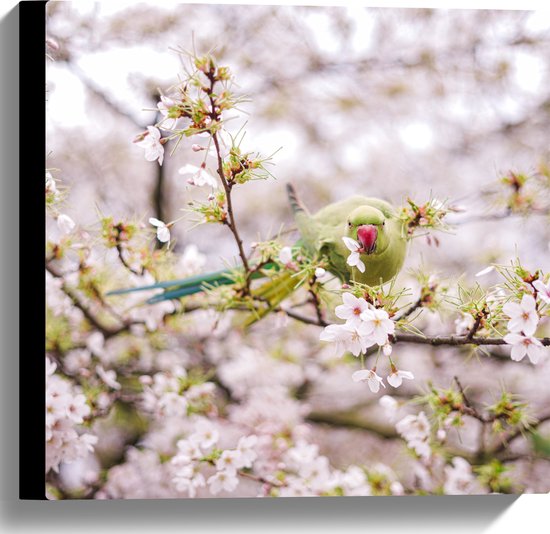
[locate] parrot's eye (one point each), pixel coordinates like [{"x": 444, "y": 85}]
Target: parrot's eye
[{"x": 349, "y": 224}]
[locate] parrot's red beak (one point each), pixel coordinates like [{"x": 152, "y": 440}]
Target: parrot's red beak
[{"x": 367, "y": 234}]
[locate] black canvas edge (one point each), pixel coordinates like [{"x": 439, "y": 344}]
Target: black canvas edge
[{"x": 32, "y": 151}]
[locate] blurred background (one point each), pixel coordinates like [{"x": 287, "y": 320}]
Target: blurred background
[{"x": 391, "y": 103}]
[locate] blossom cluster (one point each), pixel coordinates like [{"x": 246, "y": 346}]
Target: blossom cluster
[
  {"x": 66, "y": 408},
  {"x": 522, "y": 324},
  {"x": 416, "y": 430},
  {"x": 166, "y": 394},
  {"x": 365, "y": 326},
  {"x": 198, "y": 450}
]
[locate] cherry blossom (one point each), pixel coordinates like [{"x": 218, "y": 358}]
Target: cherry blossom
[
  {"x": 191, "y": 261},
  {"x": 51, "y": 186},
  {"x": 188, "y": 450},
  {"x": 378, "y": 324},
  {"x": 230, "y": 460},
  {"x": 543, "y": 290},
  {"x": 163, "y": 231},
  {"x": 66, "y": 407},
  {"x": 188, "y": 478},
  {"x": 464, "y": 324},
  {"x": 337, "y": 334},
  {"x": 389, "y": 405},
  {"x": 354, "y": 259},
  {"x": 369, "y": 375},
  {"x": 285, "y": 256},
  {"x": 522, "y": 345},
  {"x": 200, "y": 175},
  {"x": 65, "y": 224},
  {"x": 320, "y": 272},
  {"x": 395, "y": 378},
  {"x": 151, "y": 142},
  {"x": 523, "y": 317},
  {"x": 415, "y": 429},
  {"x": 459, "y": 478},
  {"x": 78, "y": 408},
  {"x": 351, "y": 309},
  {"x": 164, "y": 106},
  {"x": 223, "y": 481},
  {"x": 205, "y": 434},
  {"x": 108, "y": 377},
  {"x": 172, "y": 404},
  {"x": 246, "y": 448}
]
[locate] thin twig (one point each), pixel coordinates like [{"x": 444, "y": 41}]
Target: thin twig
[
  {"x": 227, "y": 186},
  {"x": 410, "y": 310},
  {"x": 517, "y": 433}
]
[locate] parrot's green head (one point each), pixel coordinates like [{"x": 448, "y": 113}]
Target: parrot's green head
[{"x": 367, "y": 225}]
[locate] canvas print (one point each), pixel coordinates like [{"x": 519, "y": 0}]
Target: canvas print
[{"x": 296, "y": 251}]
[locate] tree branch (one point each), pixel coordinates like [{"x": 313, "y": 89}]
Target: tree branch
[{"x": 107, "y": 330}]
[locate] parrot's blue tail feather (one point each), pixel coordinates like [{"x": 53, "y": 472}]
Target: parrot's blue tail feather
[
  {"x": 179, "y": 284},
  {"x": 188, "y": 290},
  {"x": 175, "y": 289}
]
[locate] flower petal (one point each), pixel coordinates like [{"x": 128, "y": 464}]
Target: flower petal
[
  {"x": 156, "y": 222},
  {"x": 361, "y": 375},
  {"x": 351, "y": 244}
]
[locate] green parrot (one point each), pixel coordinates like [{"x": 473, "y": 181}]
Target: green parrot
[{"x": 362, "y": 238}]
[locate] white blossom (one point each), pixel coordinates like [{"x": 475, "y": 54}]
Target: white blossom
[
  {"x": 230, "y": 460},
  {"x": 522, "y": 345},
  {"x": 464, "y": 324},
  {"x": 199, "y": 176},
  {"x": 389, "y": 405},
  {"x": 246, "y": 448},
  {"x": 151, "y": 142},
  {"x": 354, "y": 259},
  {"x": 355, "y": 339},
  {"x": 108, "y": 377},
  {"x": 171, "y": 404},
  {"x": 543, "y": 290},
  {"x": 369, "y": 375},
  {"x": 223, "y": 481},
  {"x": 51, "y": 186},
  {"x": 163, "y": 231},
  {"x": 523, "y": 317},
  {"x": 459, "y": 478},
  {"x": 164, "y": 107},
  {"x": 415, "y": 429},
  {"x": 395, "y": 378},
  {"x": 191, "y": 261},
  {"x": 351, "y": 309},
  {"x": 188, "y": 450},
  {"x": 65, "y": 224},
  {"x": 337, "y": 334},
  {"x": 66, "y": 407},
  {"x": 95, "y": 343},
  {"x": 77, "y": 408},
  {"x": 285, "y": 256},
  {"x": 205, "y": 434},
  {"x": 188, "y": 479},
  {"x": 378, "y": 324}
]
